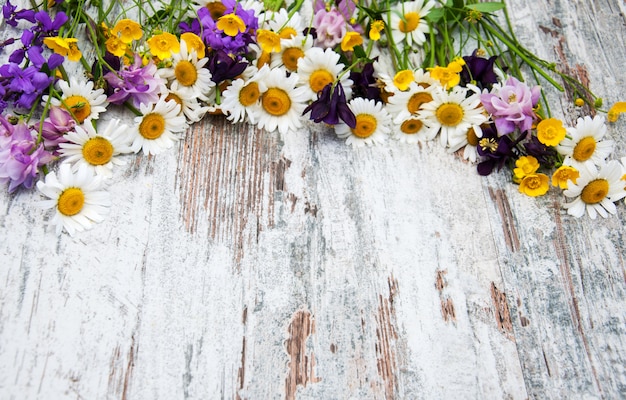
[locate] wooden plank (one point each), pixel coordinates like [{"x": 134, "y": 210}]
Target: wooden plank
[{"x": 245, "y": 264}]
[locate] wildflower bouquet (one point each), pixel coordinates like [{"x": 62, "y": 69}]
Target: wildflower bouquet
[{"x": 371, "y": 71}]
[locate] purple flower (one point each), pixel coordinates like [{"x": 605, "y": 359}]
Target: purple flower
[
  {"x": 215, "y": 38},
  {"x": 58, "y": 123},
  {"x": 47, "y": 25},
  {"x": 12, "y": 15},
  {"x": 547, "y": 156},
  {"x": 24, "y": 85},
  {"x": 224, "y": 67},
  {"x": 512, "y": 106},
  {"x": 479, "y": 71},
  {"x": 495, "y": 149},
  {"x": 139, "y": 83},
  {"x": 20, "y": 155},
  {"x": 365, "y": 84},
  {"x": 330, "y": 106},
  {"x": 330, "y": 27}
]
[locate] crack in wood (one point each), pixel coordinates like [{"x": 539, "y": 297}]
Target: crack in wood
[
  {"x": 386, "y": 337},
  {"x": 301, "y": 363},
  {"x": 447, "y": 306},
  {"x": 502, "y": 314},
  {"x": 508, "y": 223}
]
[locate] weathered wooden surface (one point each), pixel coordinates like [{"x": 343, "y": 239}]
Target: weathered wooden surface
[{"x": 249, "y": 265}]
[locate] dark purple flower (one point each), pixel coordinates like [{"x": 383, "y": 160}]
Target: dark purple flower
[
  {"x": 139, "y": 83},
  {"x": 479, "y": 71},
  {"x": 224, "y": 67},
  {"x": 496, "y": 150},
  {"x": 20, "y": 155},
  {"x": 365, "y": 84},
  {"x": 547, "y": 156},
  {"x": 330, "y": 106}
]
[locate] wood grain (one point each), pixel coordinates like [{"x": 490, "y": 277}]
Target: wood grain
[{"x": 251, "y": 265}]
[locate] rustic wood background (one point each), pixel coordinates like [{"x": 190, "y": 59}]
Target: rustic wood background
[{"x": 251, "y": 265}]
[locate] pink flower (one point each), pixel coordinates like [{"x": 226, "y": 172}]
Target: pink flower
[
  {"x": 330, "y": 27},
  {"x": 511, "y": 105},
  {"x": 20, "y": 155},
  {"x": 58, "y": 123}
]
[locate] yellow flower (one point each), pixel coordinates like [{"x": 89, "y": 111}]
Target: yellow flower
[
  {"x": 268, "y": 40},
  {"x": 67, "y": 47},
  {"x": 375, "y": 28},
  {"x": 115, "y": 46},
  {"x": 127, "y": 30},
  {"x": 550, "y": 131},
  {"x": 231, "y": 24},
  {"x": 162, "y": 45},
  {"x": 194, "y": 42},
  {"x": 526, "y": 165},
  {"x": 616, "y": 110},
  {"x": 403, "y": 79},
  {"x": 448, "y": 76},
  {"x": 534, "y": 185},
  {"x": 350, "y": 40},
  {"x": 579, "y": 102},
  {"x": 563, "y": 174}
]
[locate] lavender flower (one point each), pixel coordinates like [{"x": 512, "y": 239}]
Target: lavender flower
[
  {"x": 58, "y": 123},
  {"x": 512, "y": 106},
  {"x": 136, "y": 82},
  {"x": 330, "y": 27},
  {"x": 23, "y": 86},
  {"x": 330, "y": 106},
  {"x": 20, "y": 155}
]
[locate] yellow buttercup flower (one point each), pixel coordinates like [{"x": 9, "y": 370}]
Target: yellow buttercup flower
[
  {"x": 534, "y": 185},
  {"x": 448, "y": 76},
  {"x": 231, "y": 24},
  {"x": 563, "y": 174},
  {"x": 115, "y": 46},
  {"x": 67, "y": 47},
  {"x": 550, "y": 131},
  {"x": 127, "y": 30},
  {"x": 616, "y": 110},
  {"x": 403, "y": 79},
  {"x": 194, "y": 42},
  {"x": 268, "y": 40},
  {"x": 162, "y": 45},
  {"x": 350, "y": 40},
  {"x": 525, "y": 165},
  {"x": 375, "y": 28}
]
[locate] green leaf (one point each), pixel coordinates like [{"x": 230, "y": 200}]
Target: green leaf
[
  {"x": 486, "y": 7},
  {"x": 359, "y": 52},
  {"x": 435, "y": 15}
]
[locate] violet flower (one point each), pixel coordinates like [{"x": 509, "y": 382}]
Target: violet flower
[
  {"x": 56, "y": 125},
  {"x": 364, "y": 83},
  {"x": 12, "y": 15},
  {"x": 330, "y": 106},
  {"x": 512, "y": 106},
  {"x": 224, "y": 67},
  {"x": 24, "y": 86},
  {"x": 495, "y": 149},
  {"x": 547, "y": 156},
  {"x": 141, "y": 84},
  {"x": 20, "y": 155},
  {"x": 479, "y": 71}
]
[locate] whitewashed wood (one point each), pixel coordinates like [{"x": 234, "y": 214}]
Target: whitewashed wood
[{"x": 243, "y": 264}]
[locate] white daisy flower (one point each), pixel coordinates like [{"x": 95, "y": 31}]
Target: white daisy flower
[
  {"x": 372, "y": 123},
  {"x": 585, "y": 146},
  {"x": 156, "y": 129},
  {"x": 320, "y": 67},
  {"x": 78, "y": 198},
  {"x": 412, "y": 130},
  {"x": 286, "y": 26},
  {"x": 281, "y": 104},
  {"x": 596, "y": 191},
  {"x": 452, "y": 112},
  {"x": 291, "y": 51},
  {"x": 189, "y": 72},
  {"x": 408, "y": 23},
  {"x": 242, "y": 98},
  {"x": 189, "y": 105},
  {"x": 97, "y": 151},
  {"x": 404, "y": 105},
  {"x": 80, "y": 99},
  {"x": 424, "y": 79},
  {"x": 469, "y": 143}
]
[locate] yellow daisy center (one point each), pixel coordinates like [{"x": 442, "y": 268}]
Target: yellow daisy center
[
  {"x": 365, "y": 126},
  {"x": 319, "y": 79},
  {"x": 595, "y": 191},
  {"x": 71, "y": 201},
  {"x": 249, "y": 94},
  {"x": 409, "y": 23},
  {"x": 472, "y": 139},
  {"x": 411, "y": 126},
  {"x": 186, "y": 73},
  {"x": 79, "y": 107},
  {"x": 584, "y": 149},
  {"x": 287, "y": 33},
  {"x": 291, "y": 56},
  {"x": 276, "y": 101},
  {"x": 152, "y": 126},
  {"x": 216, "y": 9},
  {"x": 449, "y": 114},
  {"x": 416, "y": 101},
  {"x": 97, "y": 151}
]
